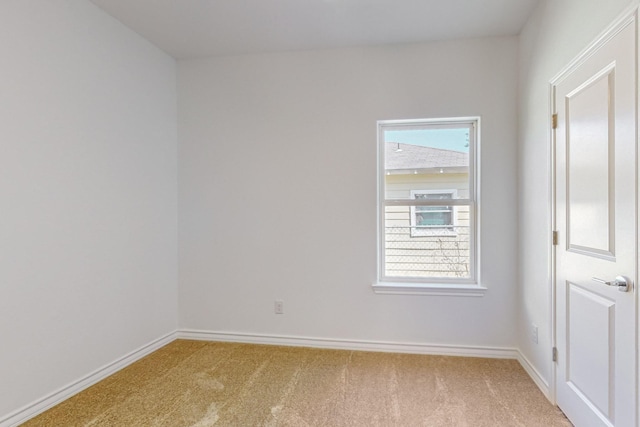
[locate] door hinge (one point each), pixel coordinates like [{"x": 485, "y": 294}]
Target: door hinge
[
  {"x": 555, "y": 238},
  {"x": 554, "y": 354},
  {"x": 554, "y": 121}
]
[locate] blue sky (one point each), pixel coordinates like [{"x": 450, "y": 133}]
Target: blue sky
[{"x": 448, "y": 139}]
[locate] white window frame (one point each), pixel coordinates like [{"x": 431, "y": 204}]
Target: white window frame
[
  {"x": 437, "y": 285},
  {"x": 435, "y": 230}
]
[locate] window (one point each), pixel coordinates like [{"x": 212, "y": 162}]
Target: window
[
  {"x": 428, "y": 202},
  {"x": 432, "y": 220}
]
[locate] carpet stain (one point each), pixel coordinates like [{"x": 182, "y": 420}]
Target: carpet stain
[
  {"x": 451, "y": 409},
  {"x": 285, "y": 417},
  {"x": 208, "y": 382},
  {"x": 210, "y": 417},
  {"x": 393, "y": 391},
  {"x": 502, "y": 403}
]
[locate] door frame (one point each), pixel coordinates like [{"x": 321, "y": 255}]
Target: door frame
[{"x": 629, "y": 15}]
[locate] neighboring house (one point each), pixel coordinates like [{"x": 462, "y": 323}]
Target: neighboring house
[{"x": 426, "y": 241}]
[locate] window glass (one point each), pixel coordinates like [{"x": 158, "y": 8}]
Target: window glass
[{"x": 427, "y": 200}]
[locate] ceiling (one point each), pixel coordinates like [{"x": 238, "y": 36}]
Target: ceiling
[{"x": 201, "y": 28}]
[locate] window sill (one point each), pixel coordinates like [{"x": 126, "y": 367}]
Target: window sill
[{"x": 405, "y": 288}]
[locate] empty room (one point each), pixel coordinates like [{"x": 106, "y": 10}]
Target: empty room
[{"x": 319, "y": 213}]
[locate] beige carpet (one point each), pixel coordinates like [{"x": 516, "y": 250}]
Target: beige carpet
[{"x": 193, "y": 383}]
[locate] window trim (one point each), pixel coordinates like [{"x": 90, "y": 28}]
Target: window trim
[{"x": 440, "y": 285}]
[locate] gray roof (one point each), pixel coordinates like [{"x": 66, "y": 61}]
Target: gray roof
[{"x": 419, "y": 157}]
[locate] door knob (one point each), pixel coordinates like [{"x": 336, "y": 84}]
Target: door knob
[{"x": 622, "y": 283}]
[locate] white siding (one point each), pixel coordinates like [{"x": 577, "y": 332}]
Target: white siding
[{"x": 441, "y": 253}]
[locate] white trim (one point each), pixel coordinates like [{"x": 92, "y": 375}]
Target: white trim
[
  {"x": 39, "y": 406},
  {"x": 407, "y": 288},
  {"x": 355, "y": 345},
  {"x": 610, "y": 32},
  {"x": 538, "y": 379},
  {"x": 551, "y": 267}
]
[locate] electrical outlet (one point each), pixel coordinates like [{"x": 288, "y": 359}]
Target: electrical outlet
[
  {"x": 534, "y": 333},
  {"x": 278, "y": 306}
]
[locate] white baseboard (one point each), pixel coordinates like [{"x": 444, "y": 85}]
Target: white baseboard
[
  {"x": 538, "y": 379},
  {"x": 29, "y": 411},
  {"x": 341, "y": 344}
]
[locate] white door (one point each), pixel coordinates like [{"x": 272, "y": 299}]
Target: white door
[{"x": 595, "y": 189}]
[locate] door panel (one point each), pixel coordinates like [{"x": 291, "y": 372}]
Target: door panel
[
  {"x": 589, "y": 117},
  {"x": 590, "y": 349},
  {"x": 595, "y": 216}
]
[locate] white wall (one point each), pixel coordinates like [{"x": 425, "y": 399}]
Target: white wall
[
  {"x": 277, "y": 190},
  {"x": 88, "y": 195},
  {"x": 554, "y": 35}
]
